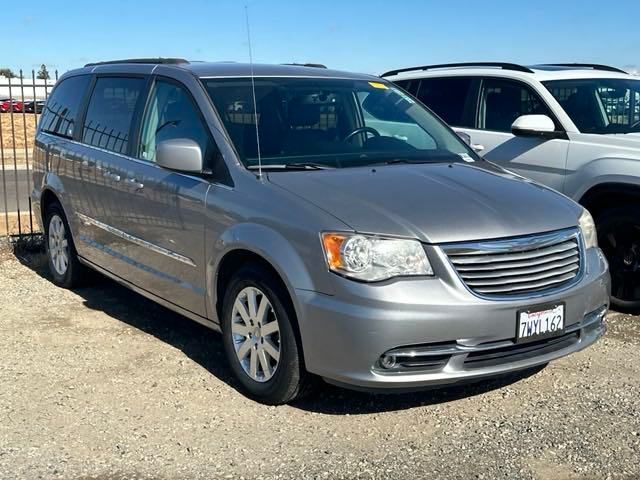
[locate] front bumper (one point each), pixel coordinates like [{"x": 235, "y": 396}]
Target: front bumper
[{"x": 345, "y": 335}]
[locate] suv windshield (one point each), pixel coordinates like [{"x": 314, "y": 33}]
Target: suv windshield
[
  {"x": 330, "y": 123},
  {"x": 600, "y": 105}
]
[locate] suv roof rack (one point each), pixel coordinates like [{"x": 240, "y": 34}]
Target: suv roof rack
[
  {"x": 312, "y": 65},
  {"x": 594, "y": 66},
  {"x": 503, "y": 65},
  {"x": 159, "y": 60}
]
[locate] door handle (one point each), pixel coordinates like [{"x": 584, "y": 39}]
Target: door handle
[{"x": 132, "y": 182}]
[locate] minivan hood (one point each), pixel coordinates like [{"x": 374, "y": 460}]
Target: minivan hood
[{"x": 434, "y": 203}]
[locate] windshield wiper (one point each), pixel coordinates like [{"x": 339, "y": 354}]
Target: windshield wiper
[
  {"x": 405, "y": 160},
  {"x": 292, "y": 166}
]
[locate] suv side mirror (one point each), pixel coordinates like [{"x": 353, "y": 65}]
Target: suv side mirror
[
  {"x": 181, "y": 154},
  {"x": 534, "y": 126}
]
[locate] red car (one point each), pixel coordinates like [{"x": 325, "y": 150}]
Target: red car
[{"x": 6, "y": 105}]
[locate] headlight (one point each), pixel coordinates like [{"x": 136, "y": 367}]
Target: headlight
[
  {"x": 588, "y": 229},
  {"x": 369, "y": 258}
]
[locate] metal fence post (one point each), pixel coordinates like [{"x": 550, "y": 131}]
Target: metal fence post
[{"x": 11, "y": 134}]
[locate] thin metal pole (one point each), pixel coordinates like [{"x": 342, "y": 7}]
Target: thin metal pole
[
  {"x": 4, "y": 182},
  {"x": 35, "y": 126},
  {"x": 253, "y": 91},
  {"x": 27, "y": 142},
  {"x": 15, "y": 160}
]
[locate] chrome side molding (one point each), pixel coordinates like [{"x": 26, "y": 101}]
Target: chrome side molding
[{"x": 138, "y": 241}]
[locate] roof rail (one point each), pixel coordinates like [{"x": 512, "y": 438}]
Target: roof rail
[
  {"x": 153, "y": 61},
  {"x": 312, "y": 65},
  {"x": 503, "y": 65},
  {"x": 594, "y": 66}
]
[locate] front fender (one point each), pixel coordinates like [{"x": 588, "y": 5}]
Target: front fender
[
  {"x": 620, "y": 170},
  {"x": 273, "y": 247}
]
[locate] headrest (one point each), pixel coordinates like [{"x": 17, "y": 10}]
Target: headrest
[{"x": 303, "y": 114}]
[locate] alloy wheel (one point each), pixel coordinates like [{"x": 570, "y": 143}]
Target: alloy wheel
[
  {"x": 58, "y": 245},
  {"x": 256, "y": 334}
]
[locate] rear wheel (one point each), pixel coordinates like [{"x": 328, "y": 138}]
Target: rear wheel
[
  {"x": 259, "y": 337},
  {"x": 619, "y": 238},
  {"x": 66, "y": 270}
]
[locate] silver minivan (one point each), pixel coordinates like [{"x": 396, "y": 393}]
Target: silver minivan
[{"x": 326, "y": 223}]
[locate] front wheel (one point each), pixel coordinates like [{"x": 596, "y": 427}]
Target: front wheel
[
  {"x": 619, "y": 237},
  {"x": 259, "y": 337}
]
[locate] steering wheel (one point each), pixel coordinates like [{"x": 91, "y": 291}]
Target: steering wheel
[{"x": 359, "y": 130}]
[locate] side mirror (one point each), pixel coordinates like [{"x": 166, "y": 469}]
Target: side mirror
[
  {"x": 180, "y": 154},
  {"x": 534, "y": 126},
  {"x": 466, "y": 138}
]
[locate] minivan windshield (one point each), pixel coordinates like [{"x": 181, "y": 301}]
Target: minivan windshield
[
  {"x": 598, "y": 105},
  {"x": 308, "y": 122}
]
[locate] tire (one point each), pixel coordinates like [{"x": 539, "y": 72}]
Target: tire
[
  {"x": 62, "y": 258},
  {"x": 619, "y": 237},
  {"x": 252, "y": 336}
]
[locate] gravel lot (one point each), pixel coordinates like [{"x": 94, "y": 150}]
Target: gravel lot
[{"x": 102, "y": 384}]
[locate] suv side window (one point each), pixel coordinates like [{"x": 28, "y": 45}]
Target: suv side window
[
  {"x": 61, "y": 112},
  {"x": 450, "y": 98},
  {"x": 502, "y": 101},
  {"x": 410, "y": 86},
  {"x": 107, "y": 123},
  {"x": 171, "y": 113}
]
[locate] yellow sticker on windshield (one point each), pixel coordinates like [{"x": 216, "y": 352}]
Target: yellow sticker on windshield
[{"x": 379, "y": 85}]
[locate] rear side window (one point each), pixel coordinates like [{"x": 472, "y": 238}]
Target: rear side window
[
  {"x": 449, "y": 97},
  {"x": 61, "y": 112},
  {"x": 113, "y": 103}
]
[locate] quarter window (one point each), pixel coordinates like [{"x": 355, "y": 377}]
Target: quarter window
[
  {"x": 61, "y": 111},
  {"x": 110, "y": 113},
  {"x": 503, "y": 101},
  {"x": 450, "y": 98}
]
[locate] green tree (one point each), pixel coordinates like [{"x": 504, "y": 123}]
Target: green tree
[
  {"x": 7, "y": 72},
  {"x": 43, "y": 73}
]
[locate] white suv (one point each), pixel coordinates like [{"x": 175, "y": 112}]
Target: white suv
[{"x": 573, "y": 127}]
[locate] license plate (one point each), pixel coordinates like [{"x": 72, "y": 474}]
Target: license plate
[{"x": 537, "y": 324}]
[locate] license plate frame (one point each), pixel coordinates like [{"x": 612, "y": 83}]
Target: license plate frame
[{"x": 540, "y": 309}]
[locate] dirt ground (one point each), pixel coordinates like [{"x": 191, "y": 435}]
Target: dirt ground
[
  {"x": 23, "y": 130},
  {"x": 102, "y": 384}
]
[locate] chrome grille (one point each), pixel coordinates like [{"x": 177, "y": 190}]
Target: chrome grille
[{"x": 518, "y": 266}]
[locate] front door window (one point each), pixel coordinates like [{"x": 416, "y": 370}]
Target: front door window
[
  {"x": 503, "y": 101},
  {"x": 171, "y": 114}
]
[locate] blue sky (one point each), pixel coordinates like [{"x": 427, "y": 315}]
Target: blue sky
[{"x": 360, "y": 35}]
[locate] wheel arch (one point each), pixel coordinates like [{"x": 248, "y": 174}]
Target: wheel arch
[
  {"x": 231, "y": 262},
  {"x": 609, "y": 195},
  {"x": 252, "y": 241},
  {"x": 47, "y": 198},
  {"x": 237, "y": 258}
]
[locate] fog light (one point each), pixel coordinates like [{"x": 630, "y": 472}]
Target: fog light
[{"x": 388, "y": 361}]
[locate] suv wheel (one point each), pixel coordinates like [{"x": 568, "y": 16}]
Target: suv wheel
[
  {"x": 259, "y": 337},
  {"x": 66, "y": 270},
  {"x": 619, "y": 238}
]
